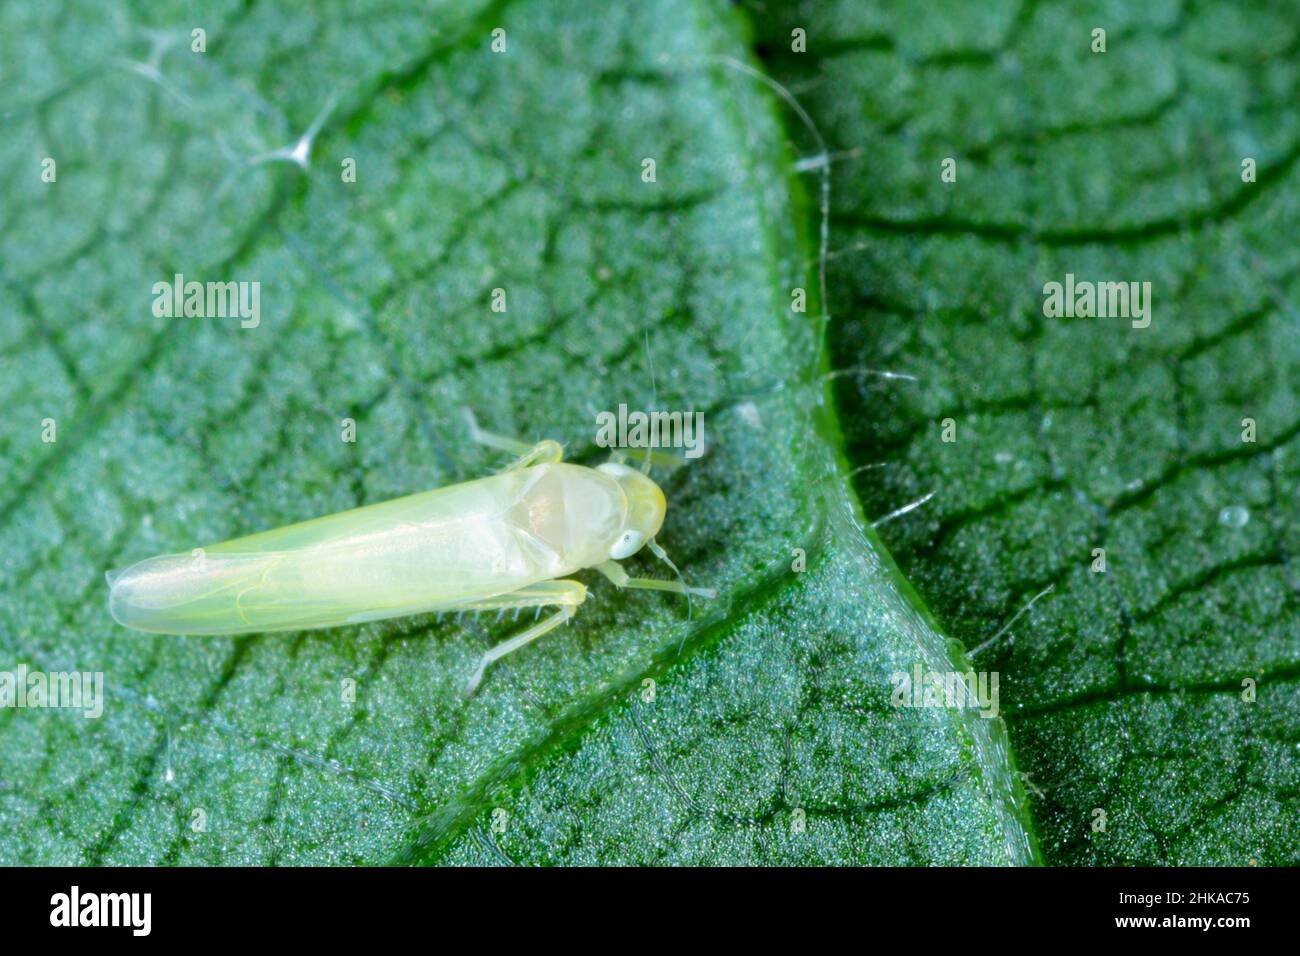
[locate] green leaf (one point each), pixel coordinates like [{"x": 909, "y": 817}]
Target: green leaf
[
  {"x": 770, "y": 736},
  {"x": 1126, "y": 691}
]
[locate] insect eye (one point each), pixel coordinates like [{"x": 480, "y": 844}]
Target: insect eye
[{"x": 627, "y": 545}]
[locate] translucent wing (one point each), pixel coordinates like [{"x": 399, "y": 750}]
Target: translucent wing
[{"x": 237, "y": 593}]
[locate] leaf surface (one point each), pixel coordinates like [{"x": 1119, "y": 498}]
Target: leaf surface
[
  {"x": 770, "y": 736},
  {"x": 1158, "y": 698}
]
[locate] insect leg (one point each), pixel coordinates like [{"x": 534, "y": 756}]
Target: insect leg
[
  {"x": 614, "y": 571},
  {"x": 516, "y": 642},
  {"x": 547, "y": 450},
  {"x": 663, "y": 460},
  {"x": 568, "y": 594}
]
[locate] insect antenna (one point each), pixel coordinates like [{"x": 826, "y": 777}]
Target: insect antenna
[{"x": 654, "y": 406}]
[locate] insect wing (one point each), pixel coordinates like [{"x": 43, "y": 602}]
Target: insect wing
[{"x": 225, "y": 593}]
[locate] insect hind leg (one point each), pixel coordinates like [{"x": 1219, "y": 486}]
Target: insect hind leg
[{"x": 567, "y": 594}]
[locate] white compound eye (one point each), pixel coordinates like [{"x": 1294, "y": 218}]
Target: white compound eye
[{"x": 627, "y": 545}]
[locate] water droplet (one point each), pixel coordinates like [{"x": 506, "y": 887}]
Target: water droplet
[{"x": 1234, "y": 516}]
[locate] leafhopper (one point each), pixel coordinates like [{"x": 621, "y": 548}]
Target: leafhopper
[{"x": 509, "y": 540}]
